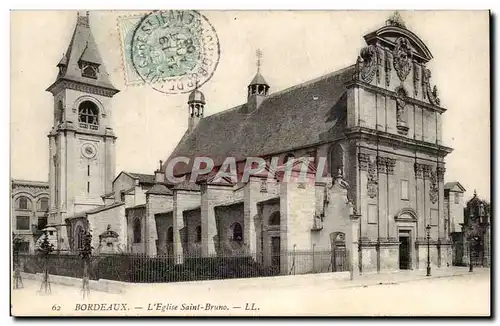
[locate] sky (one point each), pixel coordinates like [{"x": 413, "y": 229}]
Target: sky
[{"x": 296, "y": 47}]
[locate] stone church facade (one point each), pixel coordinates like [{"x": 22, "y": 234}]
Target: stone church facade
[{"x": 372, "y": 130}]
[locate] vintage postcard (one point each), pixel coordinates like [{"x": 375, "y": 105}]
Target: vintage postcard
[{"x": 250, "y": 163}]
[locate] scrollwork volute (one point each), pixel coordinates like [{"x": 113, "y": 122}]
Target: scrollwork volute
[
  {"x": 369, "y": 64},
  {"x": 431, "y": 94}
]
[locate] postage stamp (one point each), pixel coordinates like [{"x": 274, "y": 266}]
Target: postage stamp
[{"x": 170, "y": 50}]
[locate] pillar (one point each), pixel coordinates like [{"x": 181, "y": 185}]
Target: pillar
[
  {"x": 250, "y": 211},
  {"x": 177, "y": 225},
  {"x": 208, "y": 223},
  {"x": 352, "y": 245}
]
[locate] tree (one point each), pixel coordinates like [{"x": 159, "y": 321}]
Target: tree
[
  {"x": 85, "y": 252},
  {"x": 44, "y": 251},
  {"x": 16, "y": 247}
]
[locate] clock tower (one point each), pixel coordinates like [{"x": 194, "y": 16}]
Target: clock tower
[{"x": 81, "y": 142}]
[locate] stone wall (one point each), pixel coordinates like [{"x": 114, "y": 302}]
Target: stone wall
[{"x": 115, "y": 217}]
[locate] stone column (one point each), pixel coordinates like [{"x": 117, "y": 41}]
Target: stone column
[
  {"x": 367, "y": 167},
  {"x": 208, "y": 223},
  {"x": 177, "y": 225},
  {"x": 250, "y": 211},
  {"x": 383, "y": 179},
  {"x": 352, "y": 245}
]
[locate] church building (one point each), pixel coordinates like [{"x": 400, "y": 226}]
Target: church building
[{"x": 372, "y": 130}]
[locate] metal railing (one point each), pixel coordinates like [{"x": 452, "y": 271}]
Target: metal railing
[{"x": 151, "y": 269}]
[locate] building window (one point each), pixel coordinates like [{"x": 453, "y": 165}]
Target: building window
[
  {"x": 198, "y": 233},
  {"x": 404, "y": 190},
  {"x": 170, "y": 235},
  {"x": 288, "y": 157},
  {"x": 434, "y": 217},
  {"x": 237, "y": 232},
  {"x": 22, "y": 223},
  {"x": 457, "y": 198},
  {"x": 336, "y": 160},
  {"x": 43, "y": 204},
  {"x": 42, "y": 223},
  {"x": 274, "y": 219},
  {"x": 88, "y": 115},
  {"x": 137, "y": 230},
  {"x": 79, "y": 237},
  {"x": 372, "y": 214},
  {"x": 23, "y": 203}
]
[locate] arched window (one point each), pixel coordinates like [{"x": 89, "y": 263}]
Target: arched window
[
  {"x": 170, "y": 235},
  {"x": 274, "y": 219},
  {"x": 88, "y": 114},
  {"x": 43, "y": 204},
  {"x": 288, "y": 157},
  {"x": 237, "y": 232},
  {"x": 23, "y": 203},
  {"x": 336, "y": 160},
  {"x": 137, "y": 230},
  {"x": 79, "y": 233},
  {"x": 198, "y": 233}
]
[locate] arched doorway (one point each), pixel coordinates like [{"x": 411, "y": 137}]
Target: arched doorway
[{"x": 338, "y": 254}]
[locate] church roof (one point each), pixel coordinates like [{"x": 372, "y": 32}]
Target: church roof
[
  {"x": 82, "y": 47},
  {"x": 304, "y": 115}
]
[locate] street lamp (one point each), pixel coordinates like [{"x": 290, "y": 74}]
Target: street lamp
[
  {"x": 470, "y": 249},
  {"x": 428, "y": 250}
]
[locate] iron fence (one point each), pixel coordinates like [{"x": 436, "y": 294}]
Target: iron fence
[{"x": 150, "y": 269}]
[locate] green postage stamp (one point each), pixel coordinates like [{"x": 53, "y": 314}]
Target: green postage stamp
[{"x": 171, "y": 50}]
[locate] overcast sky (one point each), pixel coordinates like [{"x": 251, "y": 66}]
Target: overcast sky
[{"x": 296, "y": 46}]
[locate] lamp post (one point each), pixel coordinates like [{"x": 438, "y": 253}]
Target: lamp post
[
  {"x": 471, "y": 269},
  {"x": 428, "y": 250}
]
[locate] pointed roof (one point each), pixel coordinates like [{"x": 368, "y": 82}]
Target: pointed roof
[
  {"x": 454, "y": 186},
  {"x": 82, "y": 47},
  {"x": 258, "y": 80}
]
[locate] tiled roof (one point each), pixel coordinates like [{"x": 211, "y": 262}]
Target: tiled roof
[
  {"x": 98, "y": 209},
  {"x": 159, "y": 189},
  {"x": 301, "y": 116},
  {"x": 143, "y": 178},
  {"x": 451, "y": 185}
]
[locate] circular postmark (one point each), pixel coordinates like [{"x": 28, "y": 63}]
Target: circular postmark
[{"x": 175, "y": 50}]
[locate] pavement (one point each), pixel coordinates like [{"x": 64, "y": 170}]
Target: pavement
[{"x": 447, "y": 292}]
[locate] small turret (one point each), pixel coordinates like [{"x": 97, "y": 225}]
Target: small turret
[
  {"x": 196, "y": 103},
  {"x": 258, "y": 88}
]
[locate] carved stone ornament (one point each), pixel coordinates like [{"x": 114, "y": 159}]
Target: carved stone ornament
[
  {"x": 263, "y": 185},
  {"x": 427, "y": 171},
  {"x": 380, "y": 55},
  {"x": 433, "y": 191},
  {"x": 388, "y": 68},
  {"x": 416, "y": 78},
  {"x": 391, "y": 163},
  {"x": 369, "y": 63},
  {"x": 440, "y": 173},
  {"x": 400, "y": 111},
  {"x": 381, "y": 164},
  {"x": 372, "y": 179},
  {"x": 402, "y": 58},
  {"x": 364, "y": 160},
  {"x": 419, "y": 170},
  {"x": 426, "y": 88}
]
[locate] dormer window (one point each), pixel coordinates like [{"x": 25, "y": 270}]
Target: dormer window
[{"x": 89, "y": 71}]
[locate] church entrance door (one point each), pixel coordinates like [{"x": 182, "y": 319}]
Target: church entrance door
[{"x": 404, "y": 251}]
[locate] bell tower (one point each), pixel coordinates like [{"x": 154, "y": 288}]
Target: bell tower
[{"x": 81, "y": 142}]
